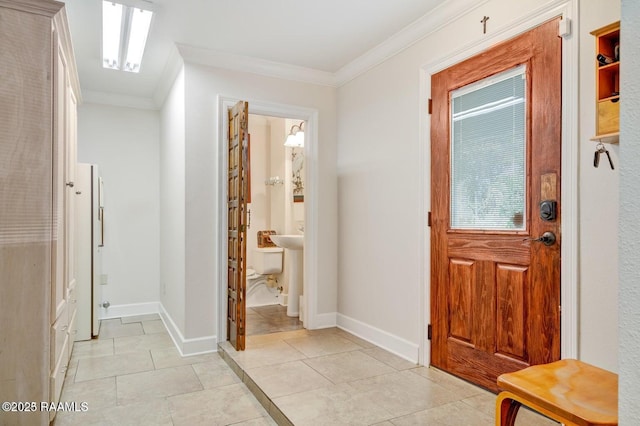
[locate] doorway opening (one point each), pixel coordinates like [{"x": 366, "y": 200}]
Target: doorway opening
[
  {"x": 275, "y": 205},
  {"x": 308, "y": 224}
]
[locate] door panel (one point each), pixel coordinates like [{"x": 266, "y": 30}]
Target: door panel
[
  {"x": 496, "y": 135},
  {"x": 237, "y": 219}
]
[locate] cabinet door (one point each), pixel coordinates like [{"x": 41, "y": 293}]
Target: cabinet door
[
  {"x": 70, "y": 189},
  {"x": 58, "y": 289}
]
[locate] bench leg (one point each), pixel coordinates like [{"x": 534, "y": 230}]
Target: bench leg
[{"x": 506, "y": 410}]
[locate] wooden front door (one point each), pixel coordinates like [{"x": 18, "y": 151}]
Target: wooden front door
[
  {"x": 237, "y": 220},
  {"x": 496, "y": 144}
]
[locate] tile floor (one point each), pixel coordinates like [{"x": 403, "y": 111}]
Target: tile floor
[
  {"x": 133, "y": 375},
  {"x": 270, "y": 319}
]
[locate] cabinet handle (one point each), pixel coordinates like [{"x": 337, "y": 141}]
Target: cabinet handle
[{"x": 70, "y": 184}]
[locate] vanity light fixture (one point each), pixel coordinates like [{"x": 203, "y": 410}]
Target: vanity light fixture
[
  {"x": 295, "y": 138},
  {"x": 124, "y": 35}
]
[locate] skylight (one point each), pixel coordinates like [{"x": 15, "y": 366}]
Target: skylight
[{"x": 124, "y": 36}]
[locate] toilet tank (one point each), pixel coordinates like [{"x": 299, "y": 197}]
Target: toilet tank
[{"x": 267, "y": 260}]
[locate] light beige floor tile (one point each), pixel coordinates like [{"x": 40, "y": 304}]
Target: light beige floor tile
[
  {"x": 153, "y": 413},
  {"x": 527, "y": 417},
  {"x": 99, "y": 393},
  {"x": 145, "y": 342},
  {"x": 140, "y": 318},
  {"x": 483, "y": 400},
  {"x": 333, "y": 405},
  {"x": 70, "y": 375},
  {"x": 215, "y": 374},
  {"x": 170, "y": 357},
  {"x": 355, "y": 339},
  {"x": 139, "y": 387},
  {"x": 268, "y": 354},
  {"x": 324, "y": 331},
  {"x": 453, "y": 414},
  {"x": 114, "y": 328},
  {"x": 220, "y": 406},
  {"x": 390, "y": 359},
  {"x": 262, "y": 339},
  {"x": 153, "y": 326},
  {"x": 320, "y": 345},
  {"x": 458, "y": 386},
  {"x": 92, "y": 348},
  {"x": 108, "y": 366},
  {"x": 486, "y": 403},
  {"x": 285, "y": 379},
  {"x": 348, "y": 366},
  {"x": 262, "y": 421},
  {"x": 385, "y": 423},
  {"x": 403, "y": 392}
]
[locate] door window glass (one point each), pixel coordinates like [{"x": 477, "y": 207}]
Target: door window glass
[{"x": 488, "y": 153}]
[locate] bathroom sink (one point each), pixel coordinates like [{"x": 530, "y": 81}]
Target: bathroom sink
[
  {"x": 291, "y": 242},
  {"x": 293, "y": 263}
]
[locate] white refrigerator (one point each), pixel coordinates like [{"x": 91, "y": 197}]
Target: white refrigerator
[{"x": 89, "y": 244}]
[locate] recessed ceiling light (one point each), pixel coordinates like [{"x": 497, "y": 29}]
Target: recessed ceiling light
[{"x": 124, "y": 36}]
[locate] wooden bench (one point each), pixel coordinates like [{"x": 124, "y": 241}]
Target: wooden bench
[{"x": 569, "y": 391}]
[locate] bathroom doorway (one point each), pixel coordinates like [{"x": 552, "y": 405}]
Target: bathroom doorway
[
  {"x": 275, "y": 205},
  {"x": 310, "y": 299}
]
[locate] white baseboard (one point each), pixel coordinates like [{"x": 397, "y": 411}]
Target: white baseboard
[
  {"x": 187, "y": 347},
  {"x": 119, "y": 311},
  {"x": 394, "y": 344}
]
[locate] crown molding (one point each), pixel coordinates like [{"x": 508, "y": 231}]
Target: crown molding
[
  {"x": 217, "y": 59},
  {"x": 117, "y": 99},
  {"x": 429, "y": 23}
]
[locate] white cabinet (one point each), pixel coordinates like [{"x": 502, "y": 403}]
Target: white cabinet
[{"x": 39, "y": 91}]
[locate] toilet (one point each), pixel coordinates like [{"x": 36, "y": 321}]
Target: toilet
[{"x": 262, "y": 289}]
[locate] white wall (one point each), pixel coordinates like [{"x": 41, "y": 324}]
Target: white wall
[
  {"x": 380, "y": 199},
  {"x": 629, "y": 297},
  {"x": 260, "y": 206},
  {"x": 278, "y": 192},
  {"x": 124, "y": 144},
  {"x": 203, "y": 85},
  {"x": 172, "y": 199},
  {"x": 598, "y": 207}
]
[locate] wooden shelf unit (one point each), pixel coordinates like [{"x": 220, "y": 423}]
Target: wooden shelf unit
[{"x": 607, "y": 84}]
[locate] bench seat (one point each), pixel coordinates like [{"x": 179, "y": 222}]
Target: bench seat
[{"x": 569, "y": 391}]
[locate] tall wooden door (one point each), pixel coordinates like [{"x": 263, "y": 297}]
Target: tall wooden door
[
  {"x": 495, "y": 268},
  {"x": 238, "y": 145}
]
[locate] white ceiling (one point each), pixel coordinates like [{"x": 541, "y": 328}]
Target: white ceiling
[{"x": 324, "y": 35}]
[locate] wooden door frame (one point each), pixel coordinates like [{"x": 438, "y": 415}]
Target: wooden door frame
[
  {"x": 568, "y": 10},
  {"x": 310, "y": 281}
]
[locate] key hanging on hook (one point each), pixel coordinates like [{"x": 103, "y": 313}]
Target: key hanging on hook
[
  {"x": 600, "y": 149},
  {"x": 609, "y": 158}
]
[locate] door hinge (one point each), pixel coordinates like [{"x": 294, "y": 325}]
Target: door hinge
[
  {"x": 429, "y": 219},
  {"x": 429, "y": 332},
  {"x": 430, "y": 106}
]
